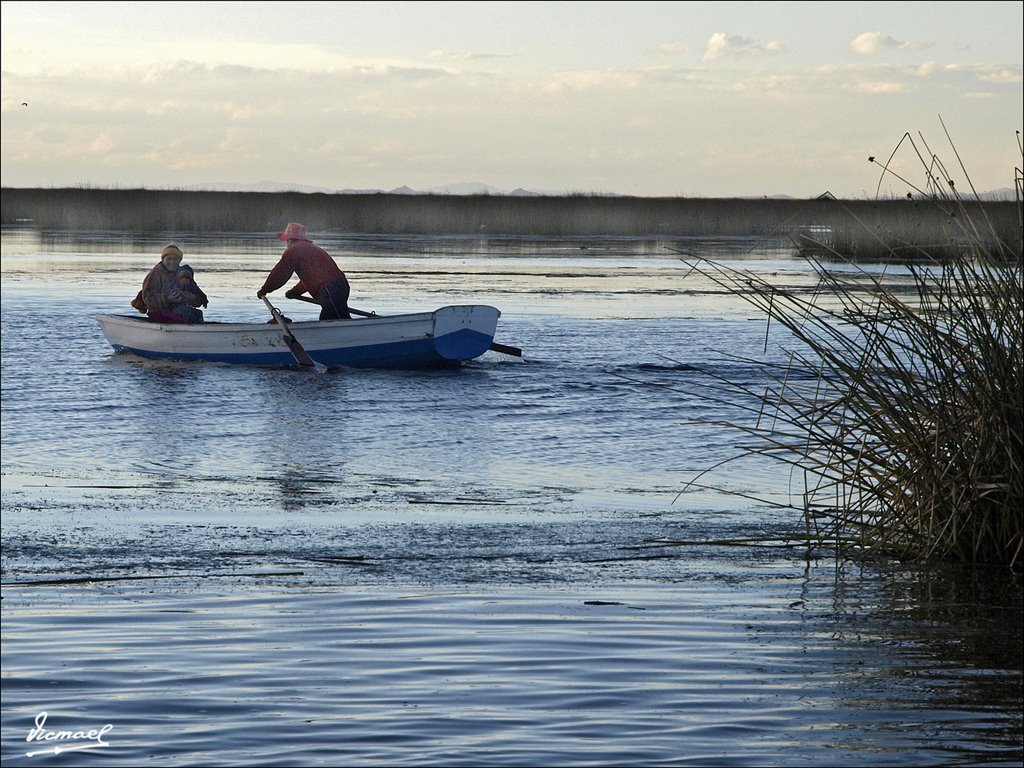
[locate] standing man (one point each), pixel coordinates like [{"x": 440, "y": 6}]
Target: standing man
[{"x": 318, "y": 274}]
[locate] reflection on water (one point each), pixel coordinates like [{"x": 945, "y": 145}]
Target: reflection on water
[
  {"x": 955, "y": 637},
  {"x": 389, "y": 567}
]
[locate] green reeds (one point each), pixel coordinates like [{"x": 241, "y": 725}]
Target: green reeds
[{"x": 901, "y": 403}]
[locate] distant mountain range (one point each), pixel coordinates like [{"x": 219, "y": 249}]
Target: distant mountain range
[{"x": 468, "y": 188}]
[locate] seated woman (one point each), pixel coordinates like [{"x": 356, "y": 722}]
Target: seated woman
[{"x": 169, "y": 293}]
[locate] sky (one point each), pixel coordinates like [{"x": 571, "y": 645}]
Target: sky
[{"x": 677, "y": 99}]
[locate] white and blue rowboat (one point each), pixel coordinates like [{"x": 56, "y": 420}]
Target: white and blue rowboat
[{"x": 445, "y": 337}]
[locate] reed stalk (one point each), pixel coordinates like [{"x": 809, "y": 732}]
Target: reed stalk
[{"x": 901, "y": 403}]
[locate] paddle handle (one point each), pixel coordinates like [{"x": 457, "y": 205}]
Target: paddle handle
[{"x": 351, "y": 311}]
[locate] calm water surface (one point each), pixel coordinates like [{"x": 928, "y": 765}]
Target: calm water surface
[{"x": 494, "y": 565}]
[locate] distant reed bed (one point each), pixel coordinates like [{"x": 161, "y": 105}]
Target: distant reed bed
[
  {"x": 902, "y": 404},
  {"x": 820, "y": 220},
  {"x": 919, "y": 228}
]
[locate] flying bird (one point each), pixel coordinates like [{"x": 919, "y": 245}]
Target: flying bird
[{"x": 24, "y": 103}]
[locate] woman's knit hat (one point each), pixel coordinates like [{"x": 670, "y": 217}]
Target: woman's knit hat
[{"x": 171, "y": 250}]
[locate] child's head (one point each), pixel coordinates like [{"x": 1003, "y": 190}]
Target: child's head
[{"x": 184, "y": 276}]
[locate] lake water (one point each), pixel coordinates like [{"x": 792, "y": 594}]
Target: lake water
[{"x": 500, "y": 564}]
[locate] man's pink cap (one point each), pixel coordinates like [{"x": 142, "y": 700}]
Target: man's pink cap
[{"x": 293, "y": 232}]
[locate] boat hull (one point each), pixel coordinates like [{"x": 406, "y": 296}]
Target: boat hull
[{"x": 445, "y": 337}]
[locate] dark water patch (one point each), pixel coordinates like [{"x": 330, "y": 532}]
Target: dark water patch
[{"x": 723, "y": 671}]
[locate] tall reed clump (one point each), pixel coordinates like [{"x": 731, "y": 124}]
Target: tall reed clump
[{"x": 901, "y": 402}]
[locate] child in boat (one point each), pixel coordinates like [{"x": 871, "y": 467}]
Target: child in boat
[{"x": 185, "y": 296}]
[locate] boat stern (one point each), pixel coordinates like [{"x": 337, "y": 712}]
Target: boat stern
[{"x": 464, "y": 332}]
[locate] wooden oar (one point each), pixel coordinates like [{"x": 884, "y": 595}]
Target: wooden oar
[
  {"x": 298, "y": 352},
  {"x": 505, "y": 349},
  {"x": 495, "y": 346},
  {"x": 351, "y": 311}
]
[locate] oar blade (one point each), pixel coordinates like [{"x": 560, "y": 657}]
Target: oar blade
[
  {"x": 505, "y": 349},
  {"x": 298, "y": 351}
]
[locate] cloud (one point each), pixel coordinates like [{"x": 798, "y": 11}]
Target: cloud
[
  {"x": 464, "y": 56},
  {"x": 870, "y": 43},
  {"x": 735, "y": 46},
  {"x": 1001, "y": 77},
  {"x": 435, "y": 112},
  {"x": 588, "y": 80},
  {"x": 994, "y": 74},
  {"x": 879, "y": 87}
]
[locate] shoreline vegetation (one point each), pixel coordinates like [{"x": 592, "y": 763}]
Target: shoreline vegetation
[
  {"x": 902, "y": 411},
  {"x": 862, "y": 228}
]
